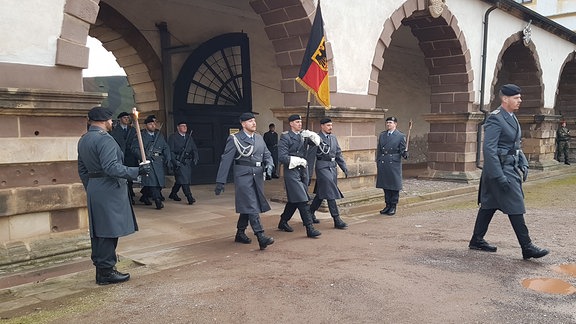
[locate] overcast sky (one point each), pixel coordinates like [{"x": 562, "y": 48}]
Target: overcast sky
[{"x": 101, "y": 62}]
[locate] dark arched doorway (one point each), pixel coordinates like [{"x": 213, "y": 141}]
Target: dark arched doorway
[{"x": 212, "y": 89}]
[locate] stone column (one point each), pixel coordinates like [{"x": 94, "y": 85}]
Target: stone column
[{"x": 539, "y": 139}]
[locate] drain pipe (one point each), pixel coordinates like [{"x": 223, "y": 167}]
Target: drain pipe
[{"x": 482, "y": 86}]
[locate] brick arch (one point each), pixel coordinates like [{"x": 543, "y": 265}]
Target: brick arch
[
  {"x": 565, "y": 104},
  {"x": 287, "y": 25},
  {"x": 135, "y": 55},
  {"x": 446, "y": 55},
  {"x": 520, "y": 64}
]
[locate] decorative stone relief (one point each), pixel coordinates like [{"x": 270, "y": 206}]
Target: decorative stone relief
[{"x": 436, "y": 7}]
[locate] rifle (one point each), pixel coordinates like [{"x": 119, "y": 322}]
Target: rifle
[
  {"x": 181, "y": 157},
  {"x": 150, "y": 148}
]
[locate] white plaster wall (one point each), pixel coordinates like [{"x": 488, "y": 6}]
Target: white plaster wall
[{"x": 29, "y": 30}]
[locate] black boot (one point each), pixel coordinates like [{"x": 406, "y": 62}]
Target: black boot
[
  {"x": 283, "y": 226},
  {"x": 105, "y": 276},
  {"x": 311, "y": 231},
  {"x": 145, "y": 200},
  {"x": 532, "y": 251},
  {"x": 159, "y": 204},
  {"x": 314, "y": 219},
  {"x": 385, "y": 210},
  {"x": 174, "y": 196},
  {"x": 339, "y": 223},
  {"x": 481, "y": 244},
  {"x": 191, "y": 200},
  {"x": 241, "y": 237},
  {"x": 264, "y": 240},
  {"x": 392, "y": 210}
]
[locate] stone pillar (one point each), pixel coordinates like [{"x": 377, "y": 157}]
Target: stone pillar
[
  {"x": 539, "y": 139},
  {"x": 452, "y": 146},
  {"x": 42, "y": 202}
]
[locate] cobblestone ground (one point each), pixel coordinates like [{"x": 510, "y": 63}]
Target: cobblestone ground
[{"x": 414, "y": 267}]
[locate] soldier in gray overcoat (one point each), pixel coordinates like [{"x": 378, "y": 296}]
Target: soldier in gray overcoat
[
  {"x": 505, "y": 167},
  {"x": 293, "y": 151},
  {"x": 124, "y": 134},
  {"x": 328, "y": 158},
  {"x": 391, "y": 148},
  {"x": 184, "y": 155},
  {"x": 247, "y": 151},
  {"x": 158, "y": 153},
  {"x": 104, "y": 176}
]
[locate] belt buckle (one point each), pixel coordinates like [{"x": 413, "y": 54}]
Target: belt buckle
[
  {"x": 258, "y": 164},
  {"x": 332, "y": 159}
]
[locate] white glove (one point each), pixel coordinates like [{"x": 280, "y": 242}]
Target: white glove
[
  {"x": 314, "y": 137},
  {"x": 297, "y": 161}
]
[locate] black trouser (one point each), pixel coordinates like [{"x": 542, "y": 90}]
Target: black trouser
[
  {"x": 185, "y": 189},
  {"x": 104, "y": 251},
  {"x": 302, "y": 207},
  {"x": 332, "y": 207},
  {"x": 517, "y": 220},
  {"x": 254, "y": 220},
  {"x": 391, "y": 197}
]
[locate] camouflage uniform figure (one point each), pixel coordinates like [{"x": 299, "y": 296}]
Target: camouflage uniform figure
[{"x": 563, "y": 143}]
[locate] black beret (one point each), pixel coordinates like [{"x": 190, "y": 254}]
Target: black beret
[
  {"x": 294, "y": 117},
  {"x": 325, "y": 120},
  {"x": 510, "y": 90},
  {"x": 392, "y": 118},
  {"x": 271, "y": 125},
  {"x": 150, "y": 119},
  {"x": 122, "y": 114},
  {"x": 246, "y": 116},
  {"x": 100, "y": 114},
  {"x": 181, "y": 122}
]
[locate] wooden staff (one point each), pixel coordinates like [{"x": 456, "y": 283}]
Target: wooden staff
[
  {"x": 139, "y": 135},
  {"x": 408, "y": 137}
]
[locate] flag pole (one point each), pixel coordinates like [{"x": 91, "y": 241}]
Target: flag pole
[{"x": 307, "y": 111}]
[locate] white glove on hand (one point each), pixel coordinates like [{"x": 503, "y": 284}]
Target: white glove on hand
[
  {"x": 297, "y": 161},
  {"x": 314, "y": 137}
]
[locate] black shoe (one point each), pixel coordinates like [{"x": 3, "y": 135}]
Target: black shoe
[
  {"x": 268, "y": 177},
  {"x": 174, "y": 197},
  {"x": 241, "y": 237},
  {"x": 283, "y": 226},
  {"x": 339, "y": 223},
  {"x": 481, "y": 245},
  {"x": 567, "y": 163},
  {"x": 532, "y": 251},
  {"x": 312, "y": 232},
  {"x": 391, "y": 211},
  {"x": 159, "y": 204},
  {"x": 315, "y": 220},
  {"x": 264, "y": 240},
  {"x": 110, "y": 276},
  {"x": 191, "y": 200},
  {"x": 275, "y": 176},
  {"x": 145, "y": 200},
  {"x": 385, "y": 210}
]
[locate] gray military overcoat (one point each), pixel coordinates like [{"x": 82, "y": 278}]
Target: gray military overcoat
[
  {"x": 158, "y": 153},
  {"x": 328, "y": 157},
  {"x": 110, "y": 213},
  {"x": 502, "y": 157},
  {"x": 389, "y": 160},
  {"x": 295, "y": 180},
  {"x": 248, "y": 173},
  {"x": 186, "y": 155},
  {"x": 125, "y": 140}
]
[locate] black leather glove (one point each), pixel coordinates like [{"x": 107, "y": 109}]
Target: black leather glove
[
  {"x": 524, "y": 170},
  {"x": 405, "y": 155},
  {"x": 195, "y": 160},
  {"x": 177, "y": 165},
  {"x": 144, "y": 169},
  {"x": 345, "y": 173},
  {"x": 504, "y": 183},
  {"x": 219, "y": 188}
]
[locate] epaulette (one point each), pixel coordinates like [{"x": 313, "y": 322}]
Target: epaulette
[
  {"x": 285, "y": 132},
  {"x": 495, "y": 112},
  {"x": 102, "y": 132}
]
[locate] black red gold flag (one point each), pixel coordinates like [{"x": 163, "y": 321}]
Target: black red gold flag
[{"x": 314, "y": 69}]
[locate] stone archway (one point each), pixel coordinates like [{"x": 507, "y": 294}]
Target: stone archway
[
  {"x": 451, "y": 140},
  {"x": 565, "y": 105},
  {"x": 135, "y": 55}
]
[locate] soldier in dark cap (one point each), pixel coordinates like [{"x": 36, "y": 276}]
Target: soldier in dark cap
[
  {"x": 184, "y": 155},
  {"x": 563, "y": 143},
  {"x": 158, "y": 153},
  {"x": 251, "y": 159},
  {"x": 293, "y": 151},
  {"x": 505, "y": 167},
  {"x": 391, "y": 148},
  {"x": 271, "y": 140},
  {"x": 328, "y": 158},
  {"x": 104, "y": 176},
  {"x": 124, "y": 134}
]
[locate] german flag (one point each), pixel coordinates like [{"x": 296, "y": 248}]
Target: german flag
[{"x": 314, "y": 70}]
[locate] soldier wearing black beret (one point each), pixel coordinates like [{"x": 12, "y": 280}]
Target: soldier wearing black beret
[
  {"x": 124, "y": 134},
  {"x": 505, "y": 167}
]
